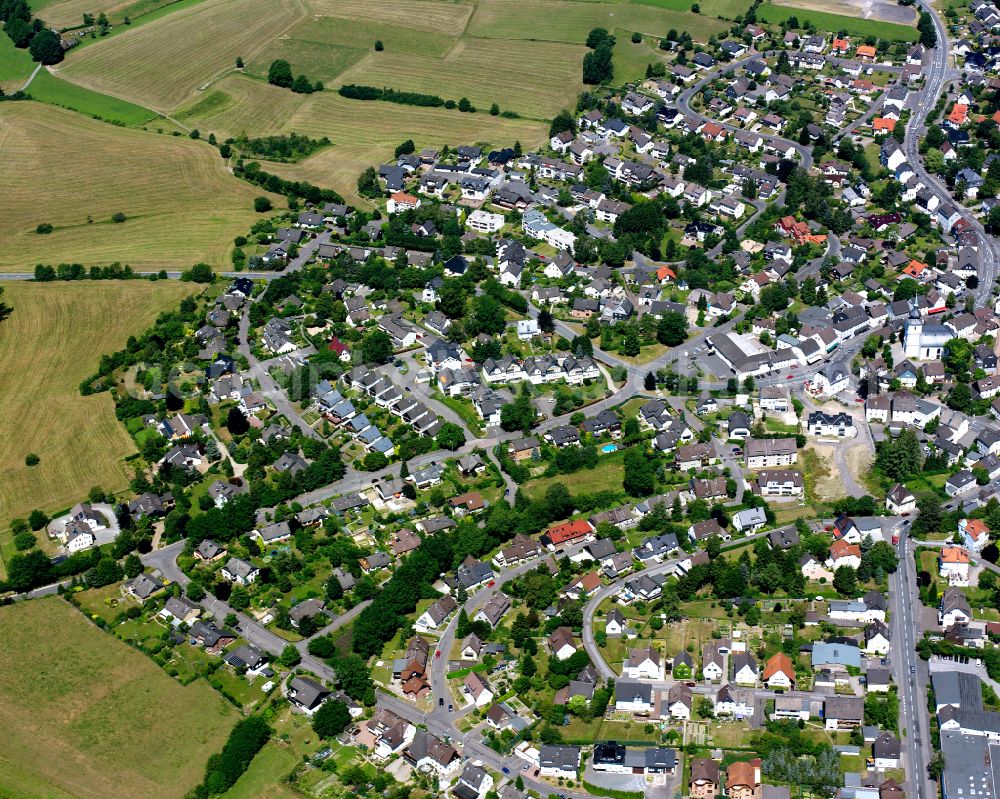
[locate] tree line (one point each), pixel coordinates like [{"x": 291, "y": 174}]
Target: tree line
[
  {"x": 355, "y": 91},
  {"x": 45, "y": 273},
  {"x": 252, "y": 173},
  {"x": 225, "y": 768}
]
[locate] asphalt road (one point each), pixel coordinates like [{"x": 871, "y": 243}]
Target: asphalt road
[{"x": 936, "y": 72}]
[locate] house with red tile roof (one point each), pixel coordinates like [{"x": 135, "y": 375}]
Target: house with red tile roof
[
  {"x": 779, "y": 671},
  {"x": 959, "y": 114},
  {"x": 844, "y": 554},
  {"x": 974, "y": 532},
  {"x": 567, "y": 533},
  {"x": 883, "y": 125}
]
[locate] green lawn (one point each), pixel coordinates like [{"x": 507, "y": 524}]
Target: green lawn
[
  {"x": 47, "y": 88},
  {"x": 15, "y": 64},
  {"x": 777, "y": 426},
  {"x": 607, "y": 475},
  {"x": 630, "y": 59},
  {"x": 775, "y": 15},
  {"x": 85, "y": 715}
]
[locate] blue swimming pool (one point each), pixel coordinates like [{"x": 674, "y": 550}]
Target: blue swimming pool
[{"x": 609, "y": 448}]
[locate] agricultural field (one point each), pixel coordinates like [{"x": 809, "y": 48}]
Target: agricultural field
[
  {"x": 365, "y": 133},
  {"x": 62, "y": 14},
  {"x": 181, "y": 204},
  {"x": 53, "y": 90},
  {"x": 571, "y": 21},
  {"x": 486, "y": 71},
  {"x": 163, "y": 64},
  {"x": 53, "y": 341},
  {"x": 86, "y": 716},
  {"x": 179, "y": 63},
  {"x": 775, "y": 14}
]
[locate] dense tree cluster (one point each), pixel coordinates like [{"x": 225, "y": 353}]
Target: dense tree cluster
[
  {"x": 597, "y": 64},
  {"x": 246, "y": 740},
  {"x": 252, "y": 173},
  {"x": 360, "y": 92},
  {"x": 286, "y": 147},
  {"x": 280, "y": 74},
  {"x": 900, "y": 458},
  {"x": 44, "y": 44}
]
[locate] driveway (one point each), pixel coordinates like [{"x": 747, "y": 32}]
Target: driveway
[{"x": 617, "y": 782}]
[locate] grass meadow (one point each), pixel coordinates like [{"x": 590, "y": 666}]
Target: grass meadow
[
  {"x": 182, "y": 205},
  {"x": 15, "y": 65},
  {"x": 87, "y": 717},
  {"x": 53, "y": 341},
  {"x": 53, "y": 90},
  {"x": 571, "y": 20},
  {"x": 855, "y": 26}
]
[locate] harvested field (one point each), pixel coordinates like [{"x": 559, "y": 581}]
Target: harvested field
[
  {"x": 433, "y": 16},
  {"x": 569, "y": 21},
  {"x": 723, "y": 9},
  {"x": 535, "y": 79},
  {"x": 163, "y": 63},
  {"x": 248, "y": 106},
  {"x": 182, "y": 206},
  {"x": 365, "y": 133},
  {"x": 54, "y": 340},
  {"x": 87, "y": 717}
]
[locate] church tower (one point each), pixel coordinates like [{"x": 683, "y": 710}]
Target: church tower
[{"x": 914, "y": 329}]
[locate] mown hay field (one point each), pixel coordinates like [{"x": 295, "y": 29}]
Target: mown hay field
[
  {"x": 571, "y": 21},
  {"x": 362, "y": 133},
  {"x": 87, "y": 717},
  {"x": 366, "y": 133},
  {"x": 54, "y": 340},
  {"x": 432, "y": 16},
  {"x": 162, "y": 64},
  {"x": 723, "y": 9},
  {"x": 182, "y": 205},
  {"x": 534, "y": 79}
]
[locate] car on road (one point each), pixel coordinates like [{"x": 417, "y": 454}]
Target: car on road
[
  {"x": 506, "y": 492},
  {"x": 505, "y": 770},
  {"x": 450, "y": 707},
  {"x": 407, "y": 389},
  {"x": 790, "y": 377},
  {"x": 913, "y": 669},
  {"x": 440, "y": 701}
]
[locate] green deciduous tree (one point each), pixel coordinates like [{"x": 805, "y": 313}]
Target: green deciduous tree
[
  {"x": 331, "y": 719},
  {"x": 280, "y": 73}
]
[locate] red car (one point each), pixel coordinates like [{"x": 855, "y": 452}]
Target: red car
[
  {"x": 437, "y": 654},
  {"x": 790, "y": 377},
  {"x": 491, "y": 583}
]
